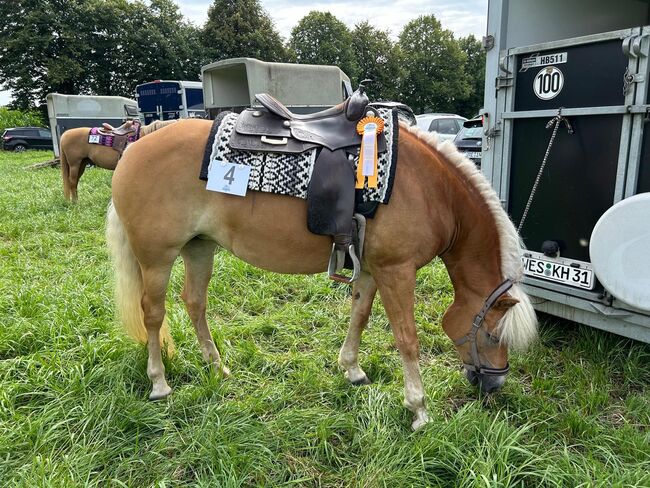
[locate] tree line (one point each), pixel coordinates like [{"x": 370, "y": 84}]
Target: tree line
[{"x": 107, "y": 47}]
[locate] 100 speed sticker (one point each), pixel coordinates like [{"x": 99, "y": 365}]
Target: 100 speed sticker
[{"x": 548, "y": 83}]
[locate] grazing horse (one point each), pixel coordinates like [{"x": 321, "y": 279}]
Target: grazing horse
[
  {"x": 77, "y": 152},
  {"x": 441, "y": 205}
]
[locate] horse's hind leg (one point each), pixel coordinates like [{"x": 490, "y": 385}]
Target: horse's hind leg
[
  {"x": 155, "y": 279},
  {"x": 397, "y": 290},
  {"x": 363, "y": 294},
  {"x": 65, "y": 175},
  {"x": 75, "y": 170},
  {"x": 198, "y": 256}
]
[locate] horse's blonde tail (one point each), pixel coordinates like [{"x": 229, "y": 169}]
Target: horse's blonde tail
[
  {"x": 128, "y": 284},
  {"x": 65, "y": 174}
]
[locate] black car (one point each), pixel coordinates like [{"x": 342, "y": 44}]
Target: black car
[
  {"x": 470, "y": 139},
  {"x": 20, "y": 138}
]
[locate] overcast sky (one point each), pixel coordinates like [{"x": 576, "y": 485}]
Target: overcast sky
[{"x": 463, "y": 17}]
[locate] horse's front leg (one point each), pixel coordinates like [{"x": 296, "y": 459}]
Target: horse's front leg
[
  {"x": 363, "y": 294},
  {"x": 397, "y": 289}
]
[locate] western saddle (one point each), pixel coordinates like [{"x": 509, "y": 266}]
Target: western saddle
[
  {"x": 119, "y": 137},
  {"x": 333, "y": 133}
]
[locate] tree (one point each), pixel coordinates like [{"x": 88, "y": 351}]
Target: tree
[
  {"x": 241, "y": 28},
  {"x": 35, "y": 56},
  {"x": 378, "y": 60},
  {"x": 102, "y": 47},
  {"x": 434, "y": 77},
  {"x": 475, "y": 75},
  {"x": 321, "y": 38}
]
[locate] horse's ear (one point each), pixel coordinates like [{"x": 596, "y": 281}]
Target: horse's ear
[{"x": 505, "y": 302}]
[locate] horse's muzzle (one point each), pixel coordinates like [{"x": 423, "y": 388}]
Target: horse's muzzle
[{"x": 487, "y": 383}]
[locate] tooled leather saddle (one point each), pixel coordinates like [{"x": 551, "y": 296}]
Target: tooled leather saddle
[
  {"x": 116, "y": 138},
  {"x": 333, "y": 133}
]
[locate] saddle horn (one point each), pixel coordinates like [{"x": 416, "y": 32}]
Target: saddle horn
[{"x": 356, "y": 106}]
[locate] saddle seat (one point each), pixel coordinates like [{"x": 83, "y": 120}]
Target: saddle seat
[
  {"x": 276, "y": 107},
  {"x": 277, "y": 129},
  {"x": 126, "y": 128}
]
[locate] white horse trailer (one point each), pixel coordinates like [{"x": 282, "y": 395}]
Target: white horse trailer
[
  {"x": 580, "y": 66},
  {"x": 71, "y": 111},
  {"x": 231, "y": 84}
]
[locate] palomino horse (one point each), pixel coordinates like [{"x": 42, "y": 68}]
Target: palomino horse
[
  {"x": 441, "y": 205},
  {"x": 77, "y": 152}
]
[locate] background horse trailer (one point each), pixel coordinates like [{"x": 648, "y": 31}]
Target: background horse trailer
[
  {"x": 587, "y": 228},
  {"x": 166, "y": 100},
  {"x": 231, "y": 84},
  {"x": 70, "y": 111}
]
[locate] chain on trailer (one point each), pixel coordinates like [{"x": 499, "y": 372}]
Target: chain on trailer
[{"x": 555, "y": 122}]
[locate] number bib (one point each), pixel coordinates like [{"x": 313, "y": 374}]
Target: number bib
[{"x": 228, "y": 178}]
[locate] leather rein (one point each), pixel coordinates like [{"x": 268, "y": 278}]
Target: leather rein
[{"x": 477, "y": 325}]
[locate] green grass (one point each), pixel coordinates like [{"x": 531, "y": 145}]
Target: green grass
[{"x": 73, "y": 390}]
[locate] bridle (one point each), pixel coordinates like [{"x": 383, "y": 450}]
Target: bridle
[{"x": 477, "y": 323}]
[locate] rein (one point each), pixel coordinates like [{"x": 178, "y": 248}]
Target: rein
[{"x": 477, "y": 323}]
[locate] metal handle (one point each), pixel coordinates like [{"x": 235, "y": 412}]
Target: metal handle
[{"x": 277, "y": 142}]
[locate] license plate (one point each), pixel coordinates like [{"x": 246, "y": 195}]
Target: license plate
[
  {"x": 473, "y": 154},
  {"x": 560, "y": 272}
]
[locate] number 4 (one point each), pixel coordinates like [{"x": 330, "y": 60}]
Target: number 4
[{"x": 230, "y": 175}]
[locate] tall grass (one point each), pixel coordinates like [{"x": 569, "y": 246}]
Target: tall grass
[{"x": 73, "y": 390}]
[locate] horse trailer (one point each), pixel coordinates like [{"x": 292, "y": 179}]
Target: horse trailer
[
  {"x": 566, "y": 145},
  {"x": 231, "y": 84},
  {"x": 71, "y": 111},
  {"x": 167, "y": 100}
]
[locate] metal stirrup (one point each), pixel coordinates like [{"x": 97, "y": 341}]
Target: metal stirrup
[{"x": 337, "y": 259}]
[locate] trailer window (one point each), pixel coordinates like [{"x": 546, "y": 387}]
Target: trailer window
[{"x": 194, "y": 98}]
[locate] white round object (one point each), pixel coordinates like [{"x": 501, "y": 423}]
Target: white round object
[
  {"x": 548, "y": 83},
  {"x": 620, "y": 250}
]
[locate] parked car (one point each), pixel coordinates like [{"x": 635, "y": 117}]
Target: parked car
[
  {"x": 446, "y": 125},
  {"x": 470, "y": 139},
  {"x": 20, "y": 138}
]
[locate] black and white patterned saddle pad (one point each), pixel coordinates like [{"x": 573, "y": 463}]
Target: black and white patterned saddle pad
[{"x": 289, "y": 174}]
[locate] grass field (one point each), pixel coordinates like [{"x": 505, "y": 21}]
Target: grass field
[{"x": 73, "y": 390}]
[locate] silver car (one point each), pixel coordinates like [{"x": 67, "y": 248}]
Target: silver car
[{"x": 446, "y": 125}]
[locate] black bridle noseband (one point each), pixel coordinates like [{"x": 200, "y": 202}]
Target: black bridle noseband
[{"x": 470, "y": 337}]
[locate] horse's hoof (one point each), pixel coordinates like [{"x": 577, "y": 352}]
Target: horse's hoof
[
  {"x": 362, "y": 381},
  {"x": 223, "y": 371},
  {"x": 160, "y": 393},
  {"x": 421, "y": 418}
]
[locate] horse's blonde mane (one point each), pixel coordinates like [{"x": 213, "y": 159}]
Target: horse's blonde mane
[
  {"x": 518, "y": 327},
  {"x": 154, "y": 126}
]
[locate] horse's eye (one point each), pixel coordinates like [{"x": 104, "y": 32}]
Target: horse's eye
[{"x": 493, "y": 338}]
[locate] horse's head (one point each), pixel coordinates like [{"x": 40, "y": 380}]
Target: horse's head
[{"x": 482, "y": 333}]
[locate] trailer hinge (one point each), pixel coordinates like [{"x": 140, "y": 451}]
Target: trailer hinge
[
  {"x": 632, "y": 46},
  {"x": 488, "y": 42},
  {"x": 493, "y": 131},
  {"x": 503, "y": 81},
  {"x": 629, "y": 78}
]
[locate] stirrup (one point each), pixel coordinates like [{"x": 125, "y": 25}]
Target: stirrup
[{"x": 337, "y": 259}]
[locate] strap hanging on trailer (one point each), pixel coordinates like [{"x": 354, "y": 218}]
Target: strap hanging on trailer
[{"x": 555, "y": 122}]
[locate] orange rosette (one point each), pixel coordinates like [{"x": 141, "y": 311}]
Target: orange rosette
[{"x": 368, "y": 120}]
